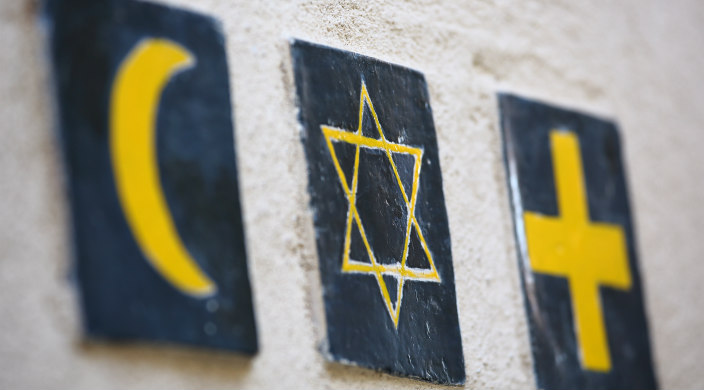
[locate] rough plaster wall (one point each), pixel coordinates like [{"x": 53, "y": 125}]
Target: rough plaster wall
[{"x": 637, "y": 61}]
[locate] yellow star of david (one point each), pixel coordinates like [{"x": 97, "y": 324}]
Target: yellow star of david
[{"x": 399, "y": 270}]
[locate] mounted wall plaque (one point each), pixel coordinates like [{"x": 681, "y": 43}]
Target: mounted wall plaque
[
  {"x": 145, "y": 120},
  {"x": 576, "y": 248},
  {"x": 379, "y": 213}
]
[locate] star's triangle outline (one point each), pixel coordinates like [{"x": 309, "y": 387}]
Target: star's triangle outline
[{"x": 398, "y": 270}]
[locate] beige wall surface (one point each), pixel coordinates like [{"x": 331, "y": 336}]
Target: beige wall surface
[{"x": 638, "y": 61}]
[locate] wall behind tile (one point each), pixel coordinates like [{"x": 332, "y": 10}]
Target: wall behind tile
[{"x": 639, "y": 61}]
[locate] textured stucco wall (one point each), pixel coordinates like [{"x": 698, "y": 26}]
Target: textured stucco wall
[{"x": 637, "y": 61}]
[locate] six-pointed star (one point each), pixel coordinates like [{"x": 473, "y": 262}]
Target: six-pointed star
[{"x": 399, "y": 270}]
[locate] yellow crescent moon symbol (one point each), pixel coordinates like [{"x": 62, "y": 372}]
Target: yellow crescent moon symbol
[{"x": 133, "y": 115}]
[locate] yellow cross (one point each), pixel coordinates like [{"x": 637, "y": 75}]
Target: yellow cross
[
  {"x": 399, "y": 270},
  {"x": 589, "y": 254}
]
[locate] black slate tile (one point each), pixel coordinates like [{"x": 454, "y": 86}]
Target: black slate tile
[
  {"x": 149, "y": 150},
  {"x": 379, "y": 213},
  {"x": 576, "y": 247}
]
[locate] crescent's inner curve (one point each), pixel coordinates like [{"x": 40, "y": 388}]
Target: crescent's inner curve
[{"x": 134, "y": 106}]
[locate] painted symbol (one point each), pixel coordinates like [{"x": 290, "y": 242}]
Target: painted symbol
[
  {"x": 376, "y": 198},
  {"x": 576, "y": 248},
  {"x": 400, "y": 271},
  {"x": 134, "y": 105},
  {"x": 588, "y": 254},
  {"x": 149, "y": 139}
]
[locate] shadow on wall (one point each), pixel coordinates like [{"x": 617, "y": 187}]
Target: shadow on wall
[{"x": 217, "y": 366}]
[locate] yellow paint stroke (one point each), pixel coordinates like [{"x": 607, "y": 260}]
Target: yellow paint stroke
[
  {"x": 589, "y": 254},
  {"x": 399, "y": 270},
  {"x": 134, "y": 106}
]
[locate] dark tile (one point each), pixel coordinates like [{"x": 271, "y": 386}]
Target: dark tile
[
  {"x": 145, "y": 120},
  {"x": 576, "y": 248},
  {"x": 379, "y": 214}
]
